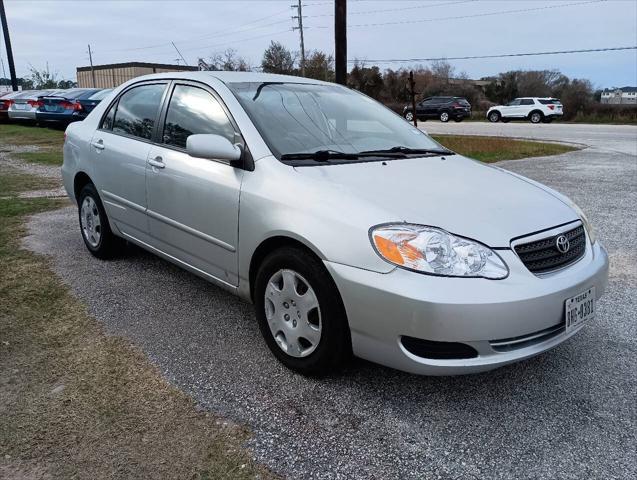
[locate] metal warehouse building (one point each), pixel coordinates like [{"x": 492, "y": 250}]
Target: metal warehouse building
[{"x": 114, "y": 74}]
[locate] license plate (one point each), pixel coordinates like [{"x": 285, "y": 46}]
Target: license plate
[
  {"x": 51, "y": 108},
  {"x": 579, "y": 309},
  {"x": 19, "y": 106}
]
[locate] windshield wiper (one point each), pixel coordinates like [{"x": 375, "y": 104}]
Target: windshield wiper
[
  {"x": 320, "y": 156},
  {"x": 409, "y": 151}
]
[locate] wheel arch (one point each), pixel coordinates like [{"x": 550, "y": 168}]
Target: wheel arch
[
  {"x": 536, "y": 110},
  {"x": 268, "y": 246},
  {"x": 80, "y": 180}
]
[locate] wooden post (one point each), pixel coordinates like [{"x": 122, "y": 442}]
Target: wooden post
[
  {"x": 412, "y": 87},
  {"x": 340, "y": 41},
  {"x": 7, "y": 42}
]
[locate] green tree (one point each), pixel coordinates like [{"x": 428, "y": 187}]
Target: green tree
[
  {"x": 277, "y": 59},
  {"x": 319, "y": 65}
]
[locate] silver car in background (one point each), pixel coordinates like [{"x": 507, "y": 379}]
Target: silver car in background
[
  {"x": 26, "y": 104},
  {"x": 350, "y": 230}
]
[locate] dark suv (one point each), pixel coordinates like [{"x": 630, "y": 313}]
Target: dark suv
[{"x": 444, "y": 108}]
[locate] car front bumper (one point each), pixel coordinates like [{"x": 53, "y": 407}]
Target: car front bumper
[{"x": 383, "y": 307}]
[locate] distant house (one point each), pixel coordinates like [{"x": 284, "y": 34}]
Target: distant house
[
  {"x": 623, "y": 95},
  {"x": 114, "y": 74}
]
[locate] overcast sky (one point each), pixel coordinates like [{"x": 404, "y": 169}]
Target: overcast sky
[{"x": 58, "y": 32}]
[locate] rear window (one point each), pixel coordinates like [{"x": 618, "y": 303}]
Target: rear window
[
  {"x": 463, "y": 101},
  {"x": 101, "y": 94},
  {"x": 549, "y": 101},
  {"x": 74, "y": 93}
]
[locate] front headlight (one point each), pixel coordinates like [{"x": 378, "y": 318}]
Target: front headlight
[{"x": 436, "y": 252}]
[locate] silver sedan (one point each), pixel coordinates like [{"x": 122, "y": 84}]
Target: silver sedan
[{"x": 351, "y": 231}]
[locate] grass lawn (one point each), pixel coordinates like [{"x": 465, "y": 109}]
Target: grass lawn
[
  {"x": 52, "y": 157},
  {"x": 77, "y": 403},
  {"x": 494, "y": 149},
  {"x": 46, "y": 138}
]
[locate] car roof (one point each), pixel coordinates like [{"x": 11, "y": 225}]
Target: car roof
[{"x": 233, "y": 77}]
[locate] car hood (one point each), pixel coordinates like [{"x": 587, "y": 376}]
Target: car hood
[{"x": 455, "y": 193}]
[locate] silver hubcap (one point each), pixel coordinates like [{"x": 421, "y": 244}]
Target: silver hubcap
[
  {"x": 444, "y": 117},
  {"x": 293, "y": 313},
  {"x": 535, "y": 118},
  {"x": 494, "y": 117},
  {"x": 409, "y": 116},
  {"x": 90, "y": 222}
]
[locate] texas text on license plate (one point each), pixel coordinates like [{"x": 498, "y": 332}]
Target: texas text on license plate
[{"x": 579, "y": 309}]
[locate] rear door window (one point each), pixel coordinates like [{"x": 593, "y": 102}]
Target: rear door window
[
  {"x": 137, "y": 110},
  {"x": 193, "y": 110}
]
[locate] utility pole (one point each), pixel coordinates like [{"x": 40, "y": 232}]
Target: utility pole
[
  {"x": 340, "y": 41},
  {"x": 7, "y": 42},
  {"x": 299, "y": 8},
  {"x": 90, "y": 59},
  {"x": 412, "y": 88}
]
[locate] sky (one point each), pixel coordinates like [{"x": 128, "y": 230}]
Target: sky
[{"x": 58, "y": 32}]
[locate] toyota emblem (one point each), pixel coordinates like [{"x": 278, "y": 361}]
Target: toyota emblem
[{"x": 562, "y": 244}]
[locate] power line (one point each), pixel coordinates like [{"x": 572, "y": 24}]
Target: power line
[
  {"x": 504, "y": 55},
  {"x": 476, "y": 15},
  {"x": 394, "y": 9}
]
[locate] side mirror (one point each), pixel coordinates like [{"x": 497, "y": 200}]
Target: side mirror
[{"x": 212, "y": 147}]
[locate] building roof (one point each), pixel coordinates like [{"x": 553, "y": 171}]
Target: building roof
[
  {"x": 185, "y": 68},
  {"x": 623, "y": 89}
]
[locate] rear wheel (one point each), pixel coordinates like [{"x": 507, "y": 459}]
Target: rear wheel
[
  {"x": 494, "y": 117},
  {"x": 444, "y": 117},
  {"x": 96, "y": 231},
  {"x": 300, "y": 312},
  {"x": 536, "y": 117}
]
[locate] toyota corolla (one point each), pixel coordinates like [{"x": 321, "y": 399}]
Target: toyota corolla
[{"x": 351, "y": 231}]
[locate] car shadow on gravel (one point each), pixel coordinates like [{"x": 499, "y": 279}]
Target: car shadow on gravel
[{"x": 368, "y": 421}]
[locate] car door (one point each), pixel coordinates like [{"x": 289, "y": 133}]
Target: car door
[
  {"x": 421, "y": 107},
  {"x": 431, "y": 108},
  {"x": 120, "y": 149},
  {"x": 526, "y": 105},
  {"x": 511, "y": 109},
  {"x": 193, "y": 203}
]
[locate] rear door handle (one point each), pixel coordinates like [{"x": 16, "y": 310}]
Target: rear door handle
[
  {"x": 157, "y": 162},
  {"x": 98, "y": 144}
]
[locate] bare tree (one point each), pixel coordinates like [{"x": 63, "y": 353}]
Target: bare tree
[{"x": 228, "y": 60}]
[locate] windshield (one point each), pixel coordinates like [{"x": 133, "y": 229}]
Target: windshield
[{"x": 305, "y": 118}]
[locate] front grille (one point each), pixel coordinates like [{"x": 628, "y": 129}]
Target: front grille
[{"x": 543, "y": 256}]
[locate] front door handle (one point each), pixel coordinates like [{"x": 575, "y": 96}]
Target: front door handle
[
  {"x": 99, "y": 144},
  {"x": 157, "y": 162}
]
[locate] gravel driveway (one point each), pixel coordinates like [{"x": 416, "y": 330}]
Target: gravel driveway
[{"x": 570, "y": 413}]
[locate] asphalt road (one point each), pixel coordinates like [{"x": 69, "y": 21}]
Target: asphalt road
[{"x": 569, "y": 414}]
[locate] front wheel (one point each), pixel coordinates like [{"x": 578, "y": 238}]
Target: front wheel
[
  {"x": 444, "y": 117},
  {"x": 300, "y": 313},
  {"x": 96, "y": 231},
  {"x": 494, "y": 117},
  {"x": 409, "y": 117}
]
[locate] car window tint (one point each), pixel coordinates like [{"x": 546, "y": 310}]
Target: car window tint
[
  {"x": 527, "y": 101},
  {"x": 137, "y": 110},
  {"x": 550, "y": 101},
  {"x": 192, "y": 111},
  {"x": 514, "y": 102}
]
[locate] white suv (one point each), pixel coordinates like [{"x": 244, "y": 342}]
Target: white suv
[{"x": 534, "y": 109}]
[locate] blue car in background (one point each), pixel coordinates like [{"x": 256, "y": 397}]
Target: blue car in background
[
  {"x": 65, "y": 107},
  {"x": 88, "y": 104}
]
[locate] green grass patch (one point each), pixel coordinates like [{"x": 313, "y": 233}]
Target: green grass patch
[
  {"x": 53, "y": 157},
  {"x": 13, "y": 134},
  {"x": 495, "y": 149},
  {"x": 13, "y": 181},
  {"x": 77, "y": 403}
]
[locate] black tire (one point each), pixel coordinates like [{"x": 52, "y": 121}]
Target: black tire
[
  {"x": 494, "y": 117},
  {"x": 108, "y": 246},
  {"x": 536, "y": 117},
  {"x": 334, "y": 348},
  {"x": 444, "y": 117}
]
